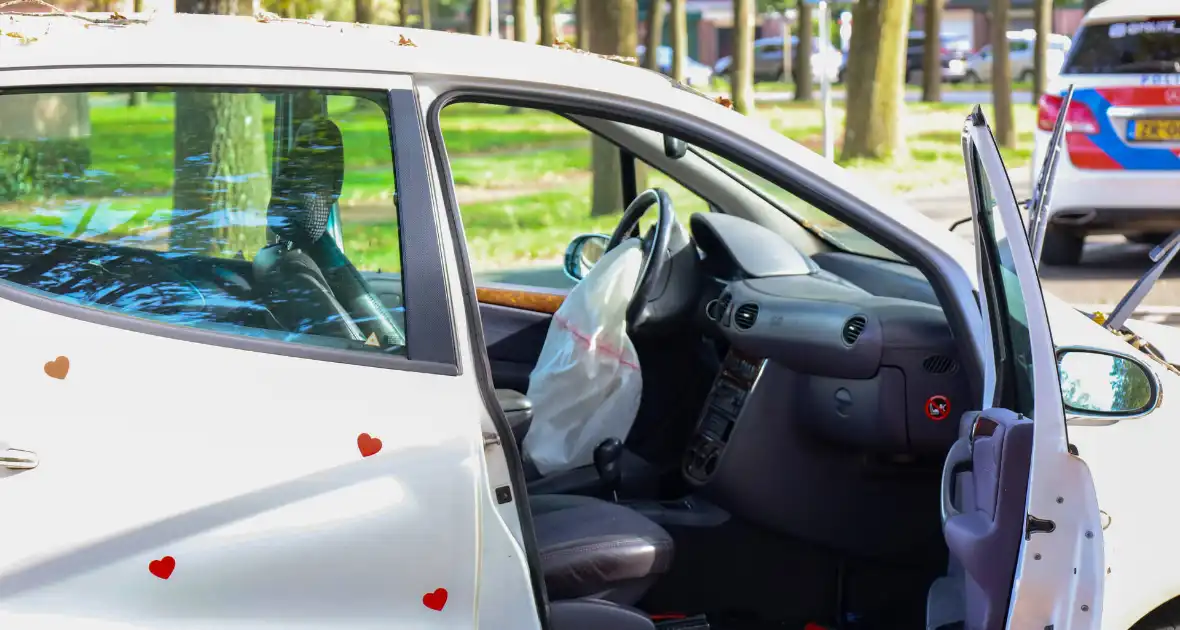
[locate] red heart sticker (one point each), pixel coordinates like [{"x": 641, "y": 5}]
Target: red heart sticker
[
  {"x": 435, "y": 600},
  {"x": 163, "y": 567},
  {"x": 368, "y": 444}
]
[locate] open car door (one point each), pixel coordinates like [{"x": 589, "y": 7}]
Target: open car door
[{"x": 1020, "y": 514}]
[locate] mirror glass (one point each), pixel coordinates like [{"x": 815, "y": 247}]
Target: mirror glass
[
  {"x": 583, "y": 253},
  {"x": 1104, "y": 384}
]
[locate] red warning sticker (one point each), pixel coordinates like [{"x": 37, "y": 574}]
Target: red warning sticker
[{"x": 938, "y": 407}]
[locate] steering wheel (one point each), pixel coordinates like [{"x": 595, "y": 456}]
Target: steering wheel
[{"x": 655, "y": 244}]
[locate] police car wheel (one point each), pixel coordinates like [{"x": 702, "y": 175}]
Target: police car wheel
[
  {"x": 1166, "y": 617},
  {"x": 1062, "y": 248}
]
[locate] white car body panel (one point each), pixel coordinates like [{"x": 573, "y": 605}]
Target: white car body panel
[
  {"x": 164, "y": 475},
  {"x": 477, "y": 555}
]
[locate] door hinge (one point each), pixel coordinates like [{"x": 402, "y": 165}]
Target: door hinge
[
  {"x": 1038, "y": 526},
  {"x": 491, "y": 439}
]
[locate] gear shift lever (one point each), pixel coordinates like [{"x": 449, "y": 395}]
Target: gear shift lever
[{"x": 606, "y": 462}]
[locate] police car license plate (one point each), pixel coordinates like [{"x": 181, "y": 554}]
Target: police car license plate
[{"x": 1153, "y": 130}]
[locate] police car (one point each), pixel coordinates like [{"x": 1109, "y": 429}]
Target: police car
[{"x": 1123, "y": 144}]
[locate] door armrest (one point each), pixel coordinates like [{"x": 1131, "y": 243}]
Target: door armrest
[{"x": 519, "y": 411}]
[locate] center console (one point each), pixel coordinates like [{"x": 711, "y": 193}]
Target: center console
[{"x": 722, "y": 411}]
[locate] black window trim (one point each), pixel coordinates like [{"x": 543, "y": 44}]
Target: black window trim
[{"x": 430, "y": 339}]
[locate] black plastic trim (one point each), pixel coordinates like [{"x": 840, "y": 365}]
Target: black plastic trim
[
  {"x": 479, "y": 357},
  {"x": 429, "y": 334},
  {"x": 424, "y": 282}
]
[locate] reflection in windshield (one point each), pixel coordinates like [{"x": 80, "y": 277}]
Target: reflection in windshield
[{"x": 808, "y": 216}]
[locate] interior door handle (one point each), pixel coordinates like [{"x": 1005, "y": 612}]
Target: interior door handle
[{"x": 16, "y": 459}]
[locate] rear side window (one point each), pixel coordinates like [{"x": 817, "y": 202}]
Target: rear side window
[
  {"x": 264, "y": 213},
  {"x": 1142, "y": 46}
]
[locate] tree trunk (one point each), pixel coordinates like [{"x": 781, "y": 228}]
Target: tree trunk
[
  {"x": 522, "y": 21},
  {"x": 655, "y": 28},
  {"x": 932, "y": 53},
  {"x": 426, "y": 17},
  {"x": 802, "y": 63},
  {"x": 403, "y": 12},
  {"x": 741, "y": 74},
  {"x": 1002, "y": 76},
  {"x": 875, "y": 79},
  {"x": 220, "y": 161},
  {"x": 1043, "y": 21},
  {"x": 548, "y": 22},
  {"x": 480, "y": 16},
  {"x": 612, "y": 29},
  {"x": 363, "y": 11},
  {"x": 679, "y": 18},
  {"x": 583, "y": 25}
]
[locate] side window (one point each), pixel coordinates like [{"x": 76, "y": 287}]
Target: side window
[
  {"x": 263, "y": 213},
  {"x": 526, "y": 184},
  {"x": 1018, "y": 45}
]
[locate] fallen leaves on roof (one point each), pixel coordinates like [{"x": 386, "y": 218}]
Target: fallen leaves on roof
[
  {"x": 724, "y": 101},
  {"x": 564, "y": 45},
  {"x": 23, "y": 38},
  {"x": 267, "y": 16},
  {"x": 116, "y": 18},
  {"x": 402, "y": 40}
]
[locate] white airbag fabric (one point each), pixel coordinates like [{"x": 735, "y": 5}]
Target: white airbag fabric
[{"x": 586, "y": 385}]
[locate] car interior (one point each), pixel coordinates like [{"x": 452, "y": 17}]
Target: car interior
[{"x": 804, "y": 408}]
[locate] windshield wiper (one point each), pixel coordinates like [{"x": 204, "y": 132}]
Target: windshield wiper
[
  {"x": 1162, "y": 256},
  {"x": 1038, "y": 206}
]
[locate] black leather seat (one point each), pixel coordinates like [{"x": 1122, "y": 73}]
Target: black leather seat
[{"x": 594, "y": 548}]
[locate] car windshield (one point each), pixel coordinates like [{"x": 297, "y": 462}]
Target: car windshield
[
  {"x": 1126, "y": 48},
  {"x": 808, "y": 216}
]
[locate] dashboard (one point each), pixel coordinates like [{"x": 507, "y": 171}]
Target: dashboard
[{"x": 861, "y": 371}]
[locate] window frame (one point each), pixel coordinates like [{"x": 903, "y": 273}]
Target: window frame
[{"x": 430, "y": 338}]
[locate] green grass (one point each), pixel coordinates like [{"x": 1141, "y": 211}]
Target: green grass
[{"x": 522, "y": 177}]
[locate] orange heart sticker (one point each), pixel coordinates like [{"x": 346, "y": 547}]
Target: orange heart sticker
[{"x": 58, "y": 368}]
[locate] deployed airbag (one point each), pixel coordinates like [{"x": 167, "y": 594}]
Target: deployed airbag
[{"x": 586, "y": 385}]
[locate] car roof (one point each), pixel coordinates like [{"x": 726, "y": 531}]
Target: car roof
[
  {"x": 1113, "y": 10},
  {"x": 233, "y": 41}
]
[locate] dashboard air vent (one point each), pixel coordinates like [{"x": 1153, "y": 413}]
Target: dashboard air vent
[
  {"x": 745, "y": 316},
  {"x": 852, "y": 329},
  {"x": 723, "y": 308},
  {"x": 939, "y": 364}
]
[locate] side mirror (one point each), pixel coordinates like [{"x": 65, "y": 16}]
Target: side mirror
[
  {"x": 583, "y": 253},
  {"x": 674, "y": 148},
  {"x": 1101, "y": 385}
]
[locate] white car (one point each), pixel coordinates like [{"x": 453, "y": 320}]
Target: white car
[
  {"x": 1021, "y": 46},
  {"x": 234, "y": 401},
  {"x": 1123, "y": 166}
]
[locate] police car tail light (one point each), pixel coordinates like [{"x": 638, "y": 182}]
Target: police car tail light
[{"x": 1079, "y": 118}]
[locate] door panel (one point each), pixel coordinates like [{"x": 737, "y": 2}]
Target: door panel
[
  {"x": 514, "y": 338},
  {"x": 515, "y": 322},
  {"x": 244, "y": 468},
  {"x": 1059, "y": 569}
]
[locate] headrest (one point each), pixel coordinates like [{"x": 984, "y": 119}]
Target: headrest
[{"x": 308, "y": 184}]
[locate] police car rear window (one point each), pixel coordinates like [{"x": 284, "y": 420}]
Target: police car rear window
[{"x": 1142, "y": 46}]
